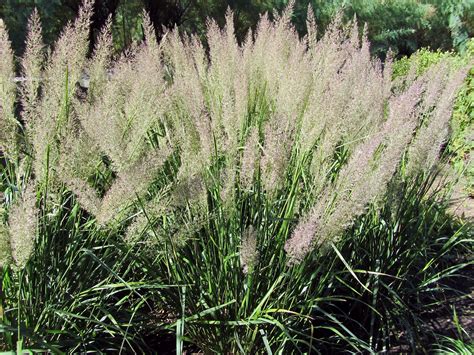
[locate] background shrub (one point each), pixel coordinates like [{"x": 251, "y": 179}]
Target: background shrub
[{"x": 461, "y": 144}]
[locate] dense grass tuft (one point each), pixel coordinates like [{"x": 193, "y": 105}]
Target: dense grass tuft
[{"x": 279, "y": 195}]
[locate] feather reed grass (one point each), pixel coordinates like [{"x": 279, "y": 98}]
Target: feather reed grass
[{"x": 246, "y": 188}]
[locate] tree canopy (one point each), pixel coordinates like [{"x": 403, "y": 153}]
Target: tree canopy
[{"x": 402, "y": 25}]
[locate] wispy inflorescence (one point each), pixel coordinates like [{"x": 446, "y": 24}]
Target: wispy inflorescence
[
  {"x": 22, "y": 223},
  {"x": 5, "y": 248},
  {"x": 441, "y": 91},
  {"x": 276, "y": 155},
  {"x": 131, "y": 184},
  {"x": 145, "y": 225},
  {"x": 8, "y": 122},
  {"x": 32, "y": 65},
  {"x": 248, "y": 249},
  {"x": 250, "y": 159},
  {"x": 275, "y": 116},
  {"x": 63, "y": 69},
  {"x": 100, "y": 62}
]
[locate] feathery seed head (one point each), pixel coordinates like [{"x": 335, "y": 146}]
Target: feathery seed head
[
  {"x": 99, "y": 64},
  {"x": 310, "y": 233},
  {"x": 22, "y": 222},
  {"x": 423, "y": 153},
  {"x": 145, "y": 225},
  {"x": 276, "y": 154},
  {"x": 250, "y": 158},
  {"x": 32, "y": 66},
  {"x": 8, "y": 122},
  {"x": 131, "y": 184},
  {"x": 248, "y": 249},
  {"x": 5, "y": 248},
  {"x": 322, "y": 112}
]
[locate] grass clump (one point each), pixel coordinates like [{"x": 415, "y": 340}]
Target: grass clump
[{"x": 270, "y": 196}]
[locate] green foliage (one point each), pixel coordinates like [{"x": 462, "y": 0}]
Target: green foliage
[
  {"x": 462, "y": 344},
  {"x": 392, "y": 25},
  {"x": 69, "y": 296},
  {"x": 15, "y": 13},
  {"x": 264, "y": 197},
  {"x": 358, "y": 295},
  {"x": 455, "y": 16},
  {"x": 127, "y": 24},
  {"x": 421, "y": 60},
  {"x": 455, "y": 347},
  {"x": 462, "y": 144},
  {"x": 403, "y": 26}
]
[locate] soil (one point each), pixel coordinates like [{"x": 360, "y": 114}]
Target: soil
[{"x": 462, "y": 204}]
